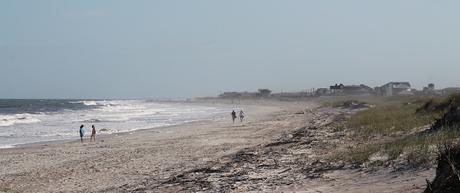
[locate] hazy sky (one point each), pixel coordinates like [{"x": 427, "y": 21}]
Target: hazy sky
[{"x": 158, "y": 49}]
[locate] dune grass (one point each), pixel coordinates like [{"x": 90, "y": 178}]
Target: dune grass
[
  {"x": 445, "y": 136},
  {"x": 387, "y": 119},
  {"x": 420, "y": 146},
  {"x": 398, "y": 118},
  {"x": 336, "y": 101}
]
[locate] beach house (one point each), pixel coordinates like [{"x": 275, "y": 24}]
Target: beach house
[{"x": 395, "y": 88}]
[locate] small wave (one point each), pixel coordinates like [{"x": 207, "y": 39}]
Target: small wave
[
  {"x": 108, "y": 131},
  {"x": 87, "y": 103},
  {"x": 90, "y": 103},
  {"x": 100, "y": 103},
  {"x": 75, "y": 102},
  {"x": 106, "y": 119},
  {"x": 9, "y": 120},
  {"x": 6, "y": 146},
  {"x": 93, "y": 121}
]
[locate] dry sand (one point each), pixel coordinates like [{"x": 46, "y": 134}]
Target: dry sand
[{"x": 266, "y": 153}]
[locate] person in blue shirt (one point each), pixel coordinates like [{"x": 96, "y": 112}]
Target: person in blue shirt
[{"x": 82, "y": 133}]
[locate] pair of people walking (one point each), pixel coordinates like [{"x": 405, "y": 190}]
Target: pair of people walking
[
  {"x": 93, "y": 133},
  {"x": 234, "y": 116}
]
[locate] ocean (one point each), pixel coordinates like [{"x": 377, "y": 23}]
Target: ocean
[{"x": 25, "y": 121}]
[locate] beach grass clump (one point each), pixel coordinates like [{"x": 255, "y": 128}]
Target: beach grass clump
[
  {"x": 440, "y": 104},
  {"x": 423, "y": 142},
  {"x": 419, "y": 147},
  {"x": 401, "y": 120},
  {"x": 359, "y": 154},
  {"x": 389, "y": 118}
]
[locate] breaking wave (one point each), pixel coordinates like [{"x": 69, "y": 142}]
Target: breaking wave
[{"x": 9, "y": 120}]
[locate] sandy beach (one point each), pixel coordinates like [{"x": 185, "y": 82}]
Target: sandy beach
[
  {"x": 267, "y": 153},
  {"x": 337, "y": 96}
]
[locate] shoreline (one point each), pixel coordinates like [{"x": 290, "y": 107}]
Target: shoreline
[
  {"x": 103, "y": 136},
  {"x": 98, "y": 136}
]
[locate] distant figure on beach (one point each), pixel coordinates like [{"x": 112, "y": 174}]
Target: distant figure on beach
[
  {"x": 93, "y": 134},
  {"x": 82, "y": 133},
  {"x": 241, "y": 115},
  {"x": 233, "y": 116}
]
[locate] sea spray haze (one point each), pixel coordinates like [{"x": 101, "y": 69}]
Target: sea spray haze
[{"x": 27, "y": 121}]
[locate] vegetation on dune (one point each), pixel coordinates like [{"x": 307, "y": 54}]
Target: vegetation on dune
[
  {"x": 337, "y": 101},
  {"x": 440, "y": 104},
  {"x": 419, "y": 148},
  {"x": 401, "y": 120},
  {"x": 387, "y": 119}
]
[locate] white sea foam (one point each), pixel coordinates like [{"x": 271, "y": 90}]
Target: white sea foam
[
  {"x": 24, "y": 118},
  {"x": 6, "y": 146},
  {"x": 95, "y": 103},
  {"x": 107, "y": 103},
  {"x": 89, "y": 103}
]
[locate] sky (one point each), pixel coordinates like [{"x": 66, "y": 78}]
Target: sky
[{"x": 189, "y": 48}]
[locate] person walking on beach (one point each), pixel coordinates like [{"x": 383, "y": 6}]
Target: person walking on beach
[
  {"x": 93, "y": 134},
  {"x": 82, "y": 133},
  {"x": 241, "y": 115},
  {"x": 233, "y": 116}
]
